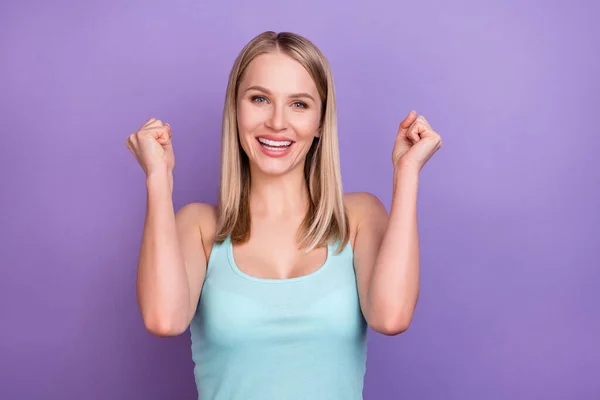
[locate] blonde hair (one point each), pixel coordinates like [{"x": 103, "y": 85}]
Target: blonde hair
[{"x": 326, "y": 219}]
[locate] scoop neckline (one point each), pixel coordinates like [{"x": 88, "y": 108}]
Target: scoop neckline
[{"x": 241, "y": 273}]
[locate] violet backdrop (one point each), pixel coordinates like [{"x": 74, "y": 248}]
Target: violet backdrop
[{"x": 508, "y": 208}]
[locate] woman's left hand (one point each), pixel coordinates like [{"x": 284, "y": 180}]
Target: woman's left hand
[{"x": 416, "y": 143}]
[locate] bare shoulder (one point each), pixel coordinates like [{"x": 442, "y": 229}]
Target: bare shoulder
[
  {"x": 200, "y": 216},
  {"x": 363, "y": 205},
  {"x": 364, "y": 210}
]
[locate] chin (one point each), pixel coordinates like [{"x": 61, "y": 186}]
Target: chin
[{"x": 273, "y": 167}]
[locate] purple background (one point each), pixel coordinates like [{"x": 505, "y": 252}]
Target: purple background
[{"x": 508, "y": 209}]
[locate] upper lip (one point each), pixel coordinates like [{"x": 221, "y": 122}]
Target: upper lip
[{"x": 275, "y": 138}]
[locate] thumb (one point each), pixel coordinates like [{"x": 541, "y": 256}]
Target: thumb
[
  {"x": 407, "y": 122},
  {"x": 168, "y": 143},
  {"x": 165, "y": 135}
]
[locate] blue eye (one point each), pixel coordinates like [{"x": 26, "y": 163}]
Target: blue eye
[
  {"x": 263, "y": 100},
  {"x": 258, "y": 99}
]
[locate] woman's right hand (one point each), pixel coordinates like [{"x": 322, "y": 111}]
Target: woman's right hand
[{"x": 152, "y": 147}]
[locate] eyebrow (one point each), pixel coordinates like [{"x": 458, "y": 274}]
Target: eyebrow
[{"x": 267, "y": 91}]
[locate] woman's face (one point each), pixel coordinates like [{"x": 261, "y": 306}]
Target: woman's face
[{"x": 278, "y": 113}]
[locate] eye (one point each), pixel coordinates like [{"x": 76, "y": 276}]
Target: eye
[
  {"x": 258, "y": 99},
  {"x": 300, "y": 104}
]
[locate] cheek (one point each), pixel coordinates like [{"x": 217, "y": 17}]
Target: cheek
[
  {"x": 247, "y": 119},
  {"x": 307, "y": 126},
  {"x": 248, "y": 122}
]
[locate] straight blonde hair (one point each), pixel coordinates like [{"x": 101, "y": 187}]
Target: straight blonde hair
[{"x": 326, "y": 219}]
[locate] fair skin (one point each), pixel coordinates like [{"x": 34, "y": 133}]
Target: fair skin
[{"x": 277, "y": 99}]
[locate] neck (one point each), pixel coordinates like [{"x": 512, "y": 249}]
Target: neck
[{"x": 278, "y": 196}]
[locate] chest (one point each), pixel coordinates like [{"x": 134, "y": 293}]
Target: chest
[
  {"x": 237, "y": 309},
  {"x": 275, "y": 255}
]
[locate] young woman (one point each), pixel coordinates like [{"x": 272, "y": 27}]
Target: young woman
[{"x": 279, "y": 281}]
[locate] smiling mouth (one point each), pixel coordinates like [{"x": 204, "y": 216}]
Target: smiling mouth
[{"x": 275, "y": 145}]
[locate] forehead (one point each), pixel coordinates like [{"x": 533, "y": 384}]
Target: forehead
[{"x": 279, "y": 73}]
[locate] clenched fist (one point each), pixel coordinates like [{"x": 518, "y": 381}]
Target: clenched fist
[
  {"x": 416, "y": 142},
  {"x": 152, "y": 147}
]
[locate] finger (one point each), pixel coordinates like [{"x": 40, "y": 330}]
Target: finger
[
  {"x": 408, "y": 121},
  {"x": 424, "y": 121},
  {"x": 133, "y": 152},
  {"x": 154, "y": 131},
  {"x": 131, "y": 141},
  {"x": 160, "y": 126},
  {"x": 415, "y": 130},
  {"x": 404, "y": 129},
  {"x": 155, "y": 123},
  {"x": 169, "y": 129},
  {"x": 147, "y": 123},
  {"x": 162, "y": 135},
  {"x": 426, "y": 131}
]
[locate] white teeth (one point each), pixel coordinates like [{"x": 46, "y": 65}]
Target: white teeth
[{"x": 275, "y": 143}]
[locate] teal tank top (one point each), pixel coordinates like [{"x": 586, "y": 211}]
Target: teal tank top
[{"x": 279, "y": 339}]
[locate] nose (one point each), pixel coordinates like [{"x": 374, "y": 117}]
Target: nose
[{"x": 277, "y": 120}]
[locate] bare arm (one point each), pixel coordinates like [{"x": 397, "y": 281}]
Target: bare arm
[
  {"x": 172, "y": 263},
  {"x": 386, "y": 256}
]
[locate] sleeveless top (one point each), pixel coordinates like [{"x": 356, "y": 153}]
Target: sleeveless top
[{"x": 279, "y": 339}]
